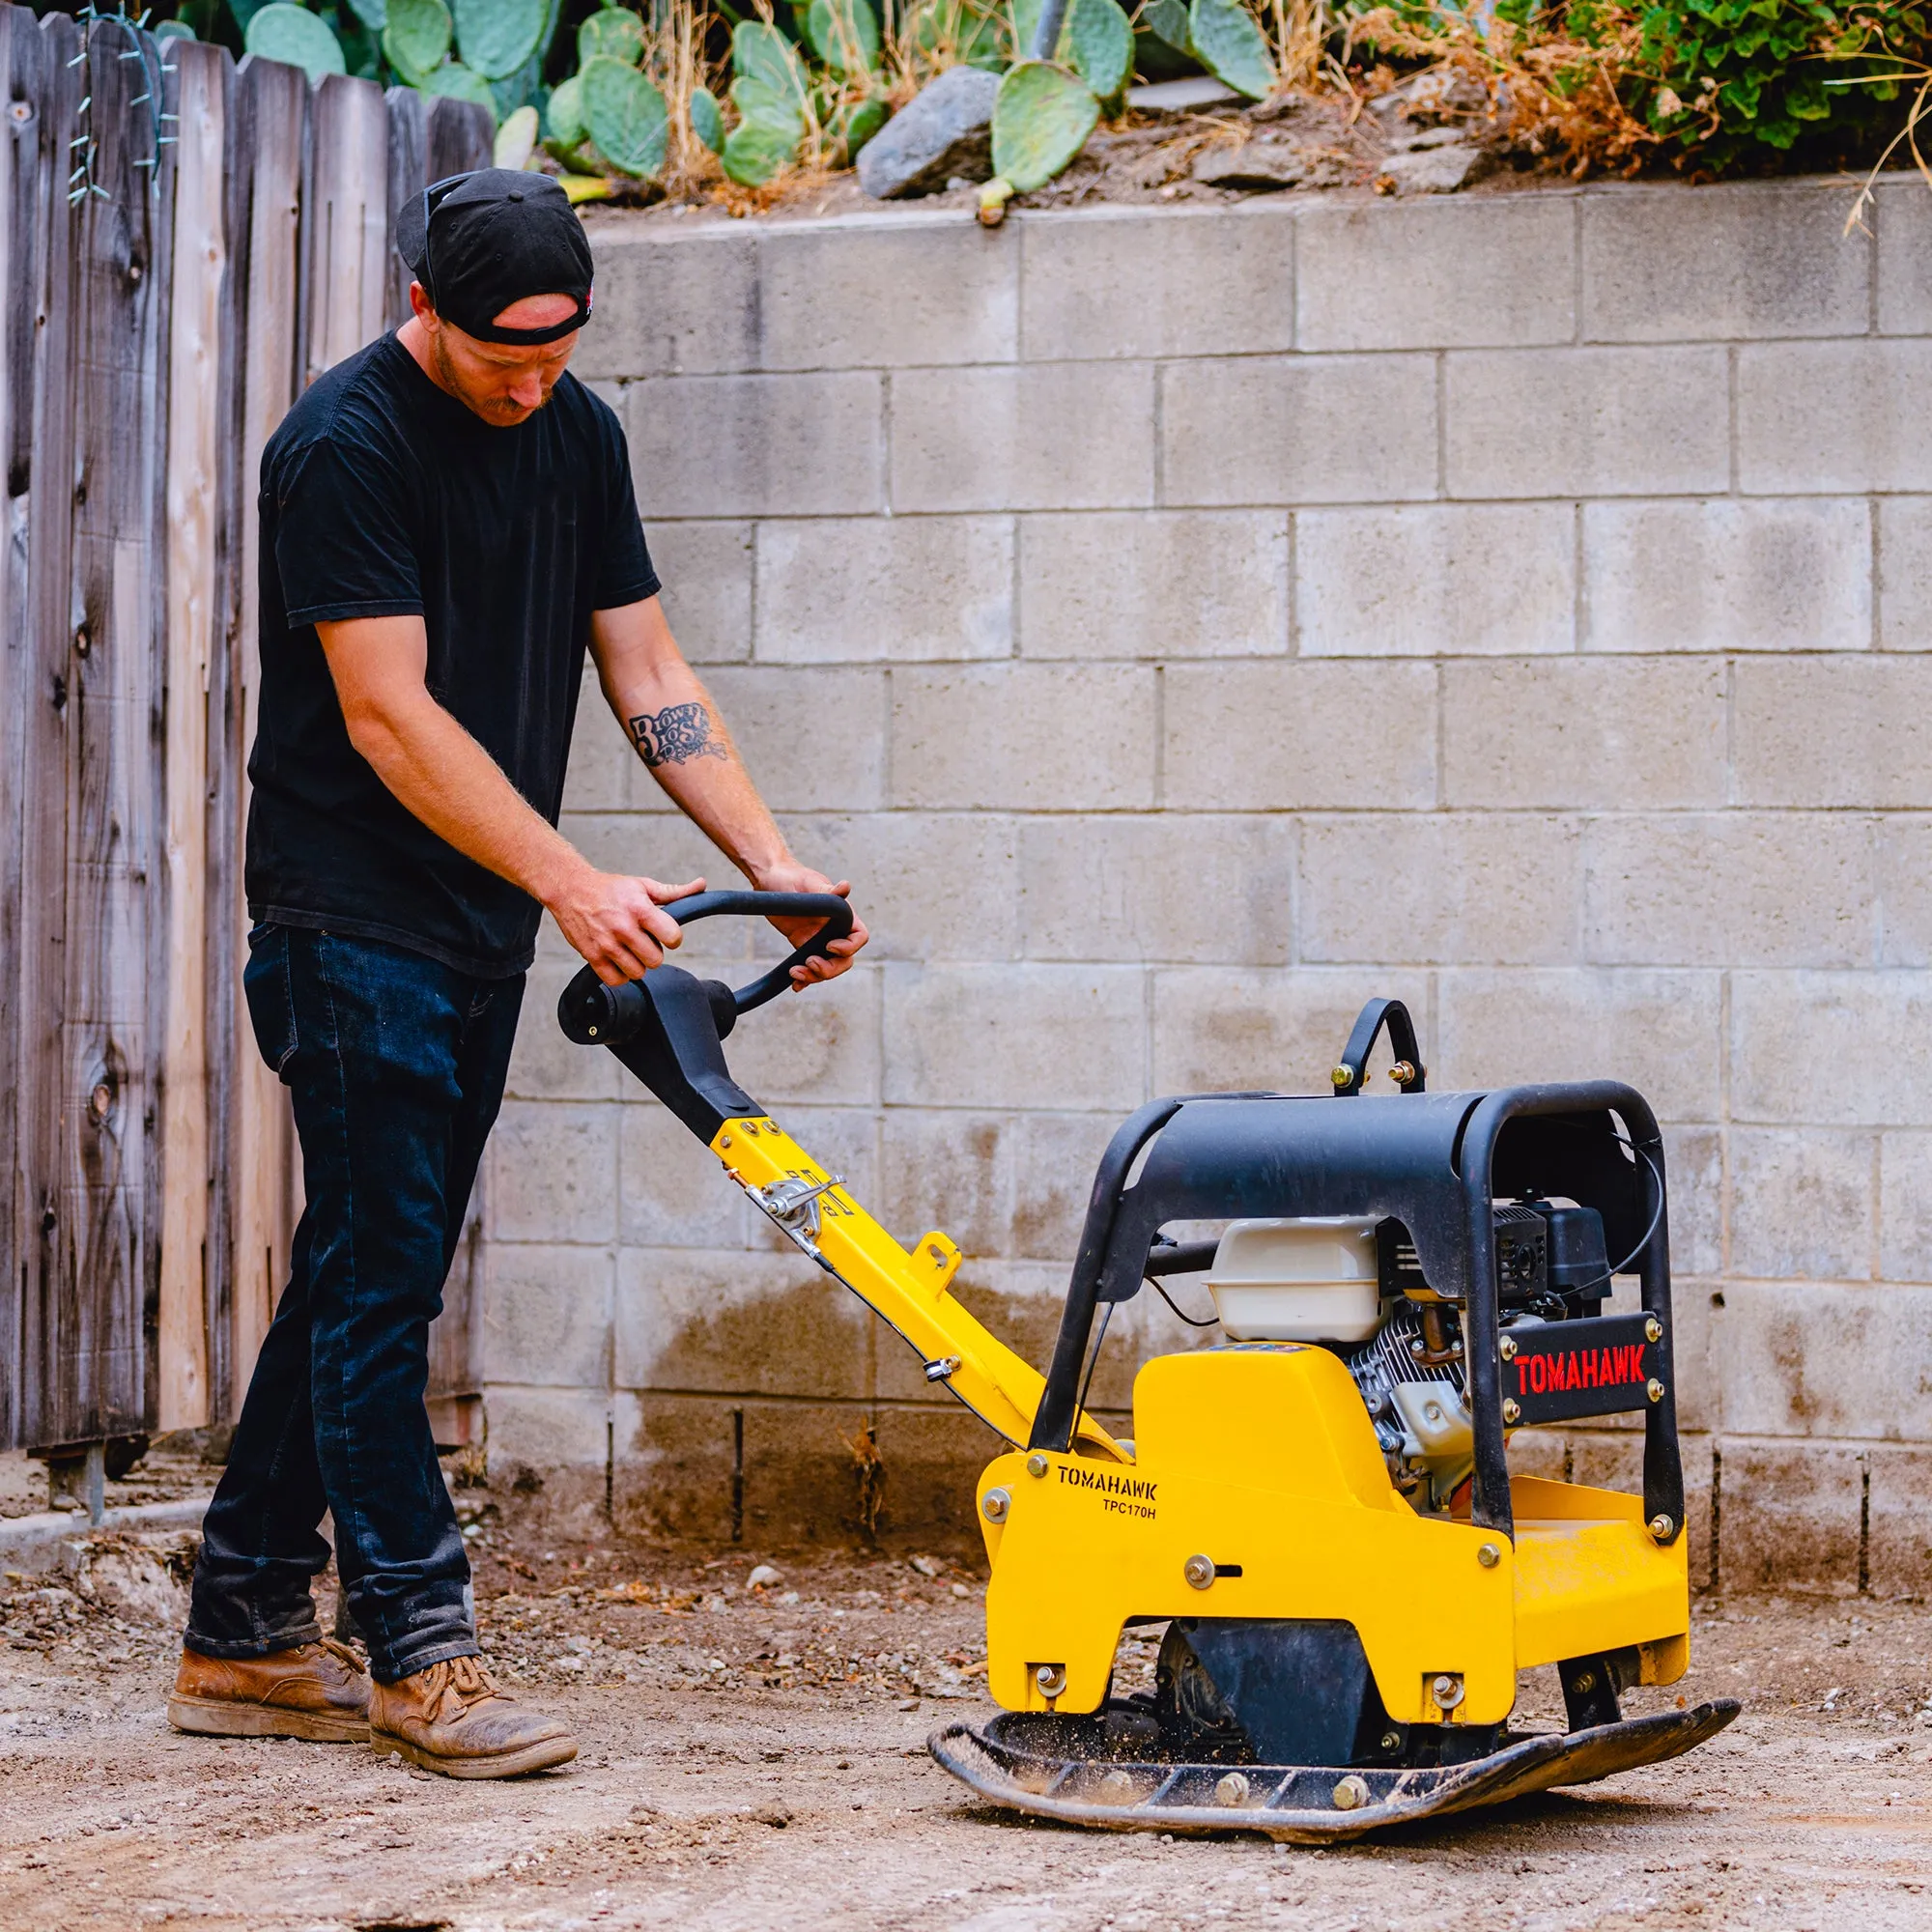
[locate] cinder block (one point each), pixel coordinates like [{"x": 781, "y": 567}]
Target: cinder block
[
  {"x": 1183, "y": 887},
  {"x": 1225, "y": 277},
  {"x": 884, "y": 291},
  {"x": 1463, "y": 889},
  {"x": 601, "y": 756},
  {"x": 671, "y": 1191},
  {"x": 1791, "y": 1518},
  {"x": 1899, "y": 1537},
  {"x": 1822, "y": 1359},
  {"x": 1693, "y": 1372},
  {"x": 1537, "y": 1452},
  {"x": 1824, "y": 1048},
  {"x": 1601, "y": 1459},
  {"x": 1905, "y": 573},
  {"x": 819, "y": 1047},
  {"x": 706, "y": 570},
  {"x": 1436, "y": 579},
  {"x": 742, "y": 1324},
  {"x": 1905, "y": 891},
  {"x": 931, "y": 886},
  {"x": 548, "y": 1428},
  {"x": 1440, "y": 273},
  {"x": 1587, "y": 422},
  {"x": 1307, "y": 429},
  {"x": 943, "y": 1167},
  {"x": 1300, "y": 736},
  {"x": 1802, "y": 1200},
  {"x": 1026, "y": 737},
  {"x": 758, "y": 445},
  {"x": 1834, "y": 732},
  {"x": 1694, "y": 1166},
  {"x": 547, "y": 1315},
  {"x": 812, "y": 739},
  {"x": 1736, "y": 889},
  {"x": 1222, "y": 1030},
  {"x": 1747, "y": 260},
  {"x": 1904, "y": 259},
  {"x": 545, "y": 1066},
  {"x": 553, "y": 1173},
  {"x": 1054, "y": 1159},
  {"x": 1154, "y": 585},
  {"x": 1584, "y": 734},
  {"x": 1660, "y": 1032},
  {"x": 671, "y": 306},
  {"x": 1905, "y": 1206},
  {"x": 1015, "y": 1037},
  {"x": 1728, "y": 576},
  {"x": 1057, "y": 436},
  {"x": 900, "y": 589},
  {"x": 1826, "y": 417}
]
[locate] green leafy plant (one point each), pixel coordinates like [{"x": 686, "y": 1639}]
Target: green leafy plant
[
  {"x": 281, "y": 31},
  {"x": 1042, "y": 118}
]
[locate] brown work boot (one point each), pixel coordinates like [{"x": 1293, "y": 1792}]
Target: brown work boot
[
  {"x": 317, "y": 1690},
  {"x": 451, "y": 1717}
]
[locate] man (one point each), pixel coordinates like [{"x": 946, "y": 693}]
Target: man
[{"x": 447, "y": 522}]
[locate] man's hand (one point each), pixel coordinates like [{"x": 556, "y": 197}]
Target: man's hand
[
  {"x": 614, "y": 920},
  {"x": 792, "y": 877}
]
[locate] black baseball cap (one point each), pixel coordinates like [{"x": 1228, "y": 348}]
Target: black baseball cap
[{"x": 479, "y": 241}]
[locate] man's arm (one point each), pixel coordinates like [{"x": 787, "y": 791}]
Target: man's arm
[
  {"x": 450, "y": 781},
  {"x": 668, "y": 716}
]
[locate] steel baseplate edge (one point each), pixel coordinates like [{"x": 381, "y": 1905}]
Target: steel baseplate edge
[{"x": 1005, "y": 1762}]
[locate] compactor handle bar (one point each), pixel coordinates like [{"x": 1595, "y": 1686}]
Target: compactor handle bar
[{"x": 593, "y": 1013}]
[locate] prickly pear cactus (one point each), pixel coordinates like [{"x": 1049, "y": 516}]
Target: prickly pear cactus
[
  {"x": 624, "y": 114},
  {"x": 498, "y": 36},
  {"x": 844, "y": 34},
  {"x": 1041, "y": 118},
  {"x": 760, "y": 52},
  {"x": 416, "y": 38},
  {"x": 852, "y": 126},
  {"x": 755, "y": 151},
  {"x": 280, "y": 32},
  {"x": 460, "y": 83},
  {"x": 707, "y": 119},
  {"x": 563, "y": 118},
  {"x": 615, "y": 30},
  {"x": 1098, "y": 38},
  {"x": 1231, "y": 45},
  {"x": 516, "y": 140}
]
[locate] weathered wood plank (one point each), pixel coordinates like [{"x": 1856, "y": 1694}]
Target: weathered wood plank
[
  {"x": 101, "y": 1383},
  {"x": 273, "y": 103},
  {"x": 460, "y": 138},
  {"x": 42, "y": 506},
  {"x": 346, "y": 252},
  {"x": 193, "y": 623},
  {"x": 408, "y": 162}
]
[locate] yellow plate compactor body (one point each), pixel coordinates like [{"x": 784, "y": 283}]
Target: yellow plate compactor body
[{"x": 1348, "y": 1577}]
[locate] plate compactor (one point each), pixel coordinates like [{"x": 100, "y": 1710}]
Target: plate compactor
[{"x": 1319, "y": 1509}]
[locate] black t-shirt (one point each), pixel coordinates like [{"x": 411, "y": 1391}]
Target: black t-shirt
[{"x": 383, "y": 496}]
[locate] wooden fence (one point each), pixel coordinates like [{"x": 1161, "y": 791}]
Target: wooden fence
[{"x": 184, "y": 244}]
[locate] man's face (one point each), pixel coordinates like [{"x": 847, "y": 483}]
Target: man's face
[{"x": 500, "y": 382}]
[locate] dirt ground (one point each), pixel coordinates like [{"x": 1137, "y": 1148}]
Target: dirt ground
[{"x": 754, "y": 1756}]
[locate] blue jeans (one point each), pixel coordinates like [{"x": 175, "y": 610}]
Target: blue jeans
[{"x": 395, "y": 1065}]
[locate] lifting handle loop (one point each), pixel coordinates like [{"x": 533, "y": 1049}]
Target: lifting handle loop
[{"x": 1352, "y": 1068}]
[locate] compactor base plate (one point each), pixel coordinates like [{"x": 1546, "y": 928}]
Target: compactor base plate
[{"x": 1096, "y": 1770}]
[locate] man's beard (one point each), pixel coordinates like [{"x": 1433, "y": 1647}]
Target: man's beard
[{"x": 492, "y": 411}]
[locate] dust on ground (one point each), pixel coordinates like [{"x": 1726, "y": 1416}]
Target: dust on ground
[{"x": 754, "y": 1756}]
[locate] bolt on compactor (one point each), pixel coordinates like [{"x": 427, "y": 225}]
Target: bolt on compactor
[{"x": 1319, "y": 1509}]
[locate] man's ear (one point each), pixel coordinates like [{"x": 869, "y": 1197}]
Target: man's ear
[{"x": 420, "y": 306}]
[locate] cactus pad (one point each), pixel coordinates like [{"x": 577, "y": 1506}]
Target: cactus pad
[
  {"x": 1232, "y": 47},
  {"x": 970, "y": 32},
  {"x": 1167, "y": 20},
  {"x": 1041, "y": 118},
  {"x": 760, "y": 52},
  {"x": 617, "y": 31},
  {"x": 373, "y": 14},
  {"x": 1098, "y": 38},
  {"x": 516, "y": 140},
  {"x": 496, "y": 37},
  {"x": 460, "y": 83},
  {"x": 858, "y": 124},
  {"x": 755, "y": 151},
  {"x": 625, "y": 115},
  {"x": 416, "y": 38},
  {"x": 707, "y": 119},
  {"x": 844, "y": 34},
  {"x": 280, "y": 32},
  {"x": 563, "y": 118}
]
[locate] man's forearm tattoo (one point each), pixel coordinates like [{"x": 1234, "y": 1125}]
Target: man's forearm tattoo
[{"x": 674, "y": 734}]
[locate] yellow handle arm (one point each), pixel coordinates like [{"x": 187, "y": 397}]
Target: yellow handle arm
[{"x": 910, "y": 1292}]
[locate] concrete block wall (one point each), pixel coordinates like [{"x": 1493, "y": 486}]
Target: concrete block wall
[{"x": 1183, "y": 625}]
